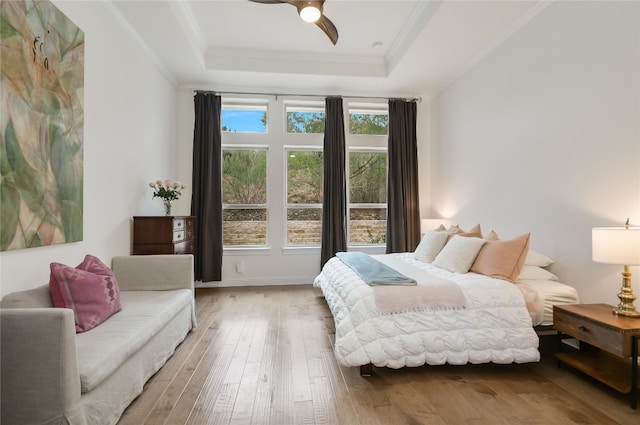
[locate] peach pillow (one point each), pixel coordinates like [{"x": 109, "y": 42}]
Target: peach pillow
[
  {"x": 475, "y": 231},
  {"x": 502, "y": 259}
]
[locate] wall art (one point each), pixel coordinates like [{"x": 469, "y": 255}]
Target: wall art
[{"x": 41, "y": 126}]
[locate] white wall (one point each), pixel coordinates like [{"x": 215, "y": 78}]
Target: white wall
[
  {"x": 543, "y": 136},
  {"x": 129, "y": 140}
]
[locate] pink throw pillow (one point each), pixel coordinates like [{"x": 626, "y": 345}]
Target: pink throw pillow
[
  {"x": 90, "y": 290},
  {"x": 502, "y": 259}
]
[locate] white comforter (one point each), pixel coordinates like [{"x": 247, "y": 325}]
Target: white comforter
[{"x": 494, "y": 327}]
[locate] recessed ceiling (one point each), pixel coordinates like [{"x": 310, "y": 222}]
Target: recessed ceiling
[{"x": 385, "y": 47}]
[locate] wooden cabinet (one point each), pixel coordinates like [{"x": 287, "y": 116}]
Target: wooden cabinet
[
  {"x": 163, "y": 235},
  {"x": 608, "y": 345}
]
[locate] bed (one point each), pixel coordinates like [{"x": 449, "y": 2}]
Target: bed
[{"x": 393, "y": 326}]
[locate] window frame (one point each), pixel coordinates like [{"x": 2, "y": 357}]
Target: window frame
[
  {"x": 351, "y": 205},
  {"x": 265, "y": 206},
  {"x": 287, "y": 205}
]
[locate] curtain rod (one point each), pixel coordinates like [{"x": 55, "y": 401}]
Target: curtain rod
[{"x": 276, "y": 95}]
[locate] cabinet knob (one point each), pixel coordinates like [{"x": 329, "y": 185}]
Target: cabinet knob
[{"x": 582, "y": 328}]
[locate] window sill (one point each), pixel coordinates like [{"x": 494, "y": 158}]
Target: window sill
[
  {"x": 297, "y": 250},
  {"x": 253, "y": 250},
  {"x": 372, "y": 249}
]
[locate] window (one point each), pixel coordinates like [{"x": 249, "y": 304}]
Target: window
[
  {"x": 244, "y": 196},
  {"x": 244, "y": 115},
  {"x": 368, "y": 118},
  {"x": 304, "y": 117},
  {"x": 367, "y": 196},
  {"x": 304, "y": 196},
  {"x": 297, "y": 179}
]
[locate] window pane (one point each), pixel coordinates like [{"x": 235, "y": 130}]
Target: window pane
[
  {"x": 368, "y": 124},
  {"x": 305, "y": 122},
  {"x": 367, "y": 226},
  {"x": 244, "y": 115},
  {"x": 304, "y": 176},
  {"x": 244, "y": 196},
  {"x": 245, "y": 121},
  {"x": 368, "y": 118},
  {"x": 244, "y": 176},
  {"x": 304, "y": 116},
  {"x": 304, "y": 226},
  {"x": 244, "y": 226},
  {"x": 367, "y": 177}
]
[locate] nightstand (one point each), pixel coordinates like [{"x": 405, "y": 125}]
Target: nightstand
[{"x": 608, "y": 345}]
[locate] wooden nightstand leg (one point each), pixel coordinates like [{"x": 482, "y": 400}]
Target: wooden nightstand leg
[
  {"x": 634, "y": 372},
  {"x": 559, "y": 346}
]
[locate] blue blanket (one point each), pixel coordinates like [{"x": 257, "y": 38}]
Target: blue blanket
[{"x": 372, "y": 271}]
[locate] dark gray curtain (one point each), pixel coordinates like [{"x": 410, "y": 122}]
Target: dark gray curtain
[
  {"x": 334, "y": 197},
  {"x": 403, "y": 205},
  {"x": 206, "y": 197}
]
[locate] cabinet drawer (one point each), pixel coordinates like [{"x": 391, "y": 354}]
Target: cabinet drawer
[
  {"x": 185, "y": 247},
  {"x": 178, "y": 236},
  {"x": 593, "y": 333},
  {"x": 178, "y": 224}
]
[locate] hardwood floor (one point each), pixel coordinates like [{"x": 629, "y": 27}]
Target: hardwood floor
[{"x": 264, "y": 355}]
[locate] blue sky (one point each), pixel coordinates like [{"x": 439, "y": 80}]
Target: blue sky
[{"x": 243, "y": 121}]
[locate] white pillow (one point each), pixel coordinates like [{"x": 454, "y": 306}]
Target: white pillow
[
  {"x": 536, "y": 273},
  {"x": 459, "y": 253},
  {"x": 536, "y": 259},
  {"x": 430, "y": 245}
]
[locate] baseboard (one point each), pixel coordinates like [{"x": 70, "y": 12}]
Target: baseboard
[{"x": 227, "y": 283}]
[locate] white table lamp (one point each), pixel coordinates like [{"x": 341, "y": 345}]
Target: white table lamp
[{"x": 619, "y": 245}]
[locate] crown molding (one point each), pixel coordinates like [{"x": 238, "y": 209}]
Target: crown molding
[
  {"x": 422, "y": 13},
  {"x": 155, "y": 60},
  {"x": 504, "y": 36},
  {"x": 190, "y": 28},
  {"x": 253, "y": 60}
]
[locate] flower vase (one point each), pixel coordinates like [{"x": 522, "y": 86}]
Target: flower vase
[{"x": 167, "y": 207}]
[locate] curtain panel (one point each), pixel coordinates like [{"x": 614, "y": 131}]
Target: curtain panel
[
  {"x": 334, "y": 198},
  {"x": 403, "y": 204},
  {"x": 206, "y": 197}
]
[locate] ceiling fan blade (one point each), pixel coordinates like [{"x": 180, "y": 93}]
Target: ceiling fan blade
[
  {"x": 323, "y": 22},
  {"x": 327, "y": 26},
  {"x": 272, "y": 1}
]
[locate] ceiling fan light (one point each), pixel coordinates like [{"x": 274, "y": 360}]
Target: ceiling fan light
[{"x": 310, "y": 13}]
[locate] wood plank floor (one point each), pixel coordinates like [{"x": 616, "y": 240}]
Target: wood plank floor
[{"x": 264, "y": 355}]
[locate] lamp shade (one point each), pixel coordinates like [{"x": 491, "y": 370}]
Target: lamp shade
[{"x": 616, "y": 245}]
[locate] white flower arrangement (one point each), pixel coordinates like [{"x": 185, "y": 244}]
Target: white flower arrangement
[{"x": 167, "y": 190}]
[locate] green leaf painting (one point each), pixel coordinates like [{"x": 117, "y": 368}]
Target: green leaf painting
[{"x": 41, "y": 126}]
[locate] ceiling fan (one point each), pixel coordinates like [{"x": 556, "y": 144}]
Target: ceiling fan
[{"x": 310, "y": 11}]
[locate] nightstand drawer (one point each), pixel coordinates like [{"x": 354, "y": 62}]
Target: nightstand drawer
[{"x": 593, "y": 333}]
